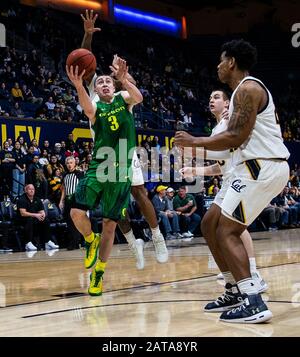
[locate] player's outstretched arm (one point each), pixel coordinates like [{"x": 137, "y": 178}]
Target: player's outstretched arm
[
  {"x": 131, "y": 94},
  {"x": 246, "y": 104},
  {"x": 211, "y": 170},
  {"x": 85, "y": 102},
  {"x": 89, "y": 29}
]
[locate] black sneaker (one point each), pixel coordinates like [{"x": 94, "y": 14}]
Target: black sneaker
[
  {"x": 231, "y": 298},
  {"x": 252, "y": 311}
]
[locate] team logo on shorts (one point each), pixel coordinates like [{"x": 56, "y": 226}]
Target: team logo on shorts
[
  {"x": 124, "y": 212},
  {"x": 236, "y": 185}
]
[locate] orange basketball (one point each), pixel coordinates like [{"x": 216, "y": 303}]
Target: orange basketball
[{"x": 84, "y": 59}]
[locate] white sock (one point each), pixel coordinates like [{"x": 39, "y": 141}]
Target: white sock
[
  {"x": 155, "y": 231},
  {"x": 247, "y": 286},
  {"x": 252, "y": 262},
  {"x": 228, "y": 277},
  {"x": 130, "y": 237}
]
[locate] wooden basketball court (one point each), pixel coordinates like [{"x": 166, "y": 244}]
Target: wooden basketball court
[{"x": 47, "y": 295}]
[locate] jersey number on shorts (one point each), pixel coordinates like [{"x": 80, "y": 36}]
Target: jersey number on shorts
[{"x": 114, "y": 123}]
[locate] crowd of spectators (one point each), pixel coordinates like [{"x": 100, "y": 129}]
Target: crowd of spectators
[{"x": 174, "y": 79}]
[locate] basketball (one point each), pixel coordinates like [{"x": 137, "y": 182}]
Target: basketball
[{"x": 84, "y": 59}]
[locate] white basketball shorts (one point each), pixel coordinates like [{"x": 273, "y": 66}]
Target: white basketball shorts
[{"x": 253, "y": 184}]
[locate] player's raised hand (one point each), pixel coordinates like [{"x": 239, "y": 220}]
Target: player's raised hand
[
  {"x": 75, "y": 77},
  {"x": 89, "y": 22},
  {"x": 120, "y": 71}
]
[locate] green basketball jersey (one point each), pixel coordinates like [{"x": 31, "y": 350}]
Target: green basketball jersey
[{"x": 114, "y": 122}]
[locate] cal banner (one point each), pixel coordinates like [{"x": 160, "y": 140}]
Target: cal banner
[{"x": 57, "y": 131}]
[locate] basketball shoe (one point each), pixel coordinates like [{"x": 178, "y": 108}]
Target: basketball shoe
[
  {"x": 95, "y": 288},
  {"x": 252, "y": 311},
  {"x": 261, "y": 285},
  {"x": 91, "y": 250},
  {"x": 231, "y": 298},
  {"x": 161, "y": 250}
]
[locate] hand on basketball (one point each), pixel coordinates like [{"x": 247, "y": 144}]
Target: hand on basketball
[
  {"x": 120, "y": 70},
  {"x": 89, "y": 22},
  {"x": 75, "y": 78}
]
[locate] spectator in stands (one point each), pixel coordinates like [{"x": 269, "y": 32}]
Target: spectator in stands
[
  {"x": 86, "y": 162},
  {"x": 58, "y": 152},
  {"x": 55, "y": 187},
  {"x": 271, "y": 215},
  {"x": 23, "y": 144},
  {"x": 36, "y": 177},
  {"x": 29, "y": 157},
  {"x": 71, "y": 151},
  {"x": 187, "y": 120},
  {"x": 29, "y": 97},
  {"x": 185, "y": 205},
  {"x": 37, "y": 150},
  {"x": 53, "y": 165},
  {"x": 33, "y": 218},
  {"x": 46, "y": 146},
  {"x": 214, "y": 188},
  {"x": 16, "y": 111},
  {"x": 167, "y": 217},
  {"x": 17, "y": 93},
  {"x": 18, "y": 171},
  {"x": 7, "y": 164},
  {"x": 4, "y": 93},
  {"x": 207, "y": 128},
  {"x": 10, "y": 144},
  {"x": 43, "y": 160},
  {"x": 50, "y": 104}
]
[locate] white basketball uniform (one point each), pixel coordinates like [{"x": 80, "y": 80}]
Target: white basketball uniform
[
  {"x": 224, "y": 159},
  {"x": 137, "y": 173},
  {"x": 260, "y": 167}
]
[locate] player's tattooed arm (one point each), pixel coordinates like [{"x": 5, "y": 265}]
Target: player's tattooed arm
[{"x": 247, "y": 101}]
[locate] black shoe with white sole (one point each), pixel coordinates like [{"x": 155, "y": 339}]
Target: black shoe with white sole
[{"x": 252, "y": 311}]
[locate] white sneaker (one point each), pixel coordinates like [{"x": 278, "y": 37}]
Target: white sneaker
[
  {"x": 51, "y": 245},
  {"x": 220, "y": 276},
  {"x": 30, "y": 247},
  {"x": 140, "y": 263},
  {"x": 187, "y": 234},
  {"x": 261, "y": 285},
  {"x": 161, "y": 250}
]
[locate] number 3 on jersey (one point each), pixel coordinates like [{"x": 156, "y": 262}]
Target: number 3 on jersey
[{"x": 114, "y": 123}]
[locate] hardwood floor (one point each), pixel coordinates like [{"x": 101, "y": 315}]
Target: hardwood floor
[{"x": 47, "y": 295}]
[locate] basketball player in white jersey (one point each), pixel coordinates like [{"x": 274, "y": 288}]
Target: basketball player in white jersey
[
  {"x": 218, "y": 105},
  {"x": 137, "y": 186},
  {"x": 260, "y": 173}
]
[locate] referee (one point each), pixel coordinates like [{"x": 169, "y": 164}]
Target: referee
[{"x": 69, "y": 183}]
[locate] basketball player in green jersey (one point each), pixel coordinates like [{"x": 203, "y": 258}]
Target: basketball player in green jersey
[
  {"x": 137, "y": 182},
  {"x": 108, "y": 176}
]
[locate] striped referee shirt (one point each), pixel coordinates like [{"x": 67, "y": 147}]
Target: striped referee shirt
[{"x": 70, "y": 181}]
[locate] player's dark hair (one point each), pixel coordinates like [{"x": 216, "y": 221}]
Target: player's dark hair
[
  {"x": 244, "y": 53},
  {"x": 226, "y": 93}
]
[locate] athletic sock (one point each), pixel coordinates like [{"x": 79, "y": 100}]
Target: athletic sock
[
  {"x": 252, "y": 262},
  {"x": 228, "y": 277},
  {"x": 130, "y": 237},
  {"x": 155, "y": 231},
  {"x": 90, "y": 237},
  {"x": 247, "y": 286}
]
